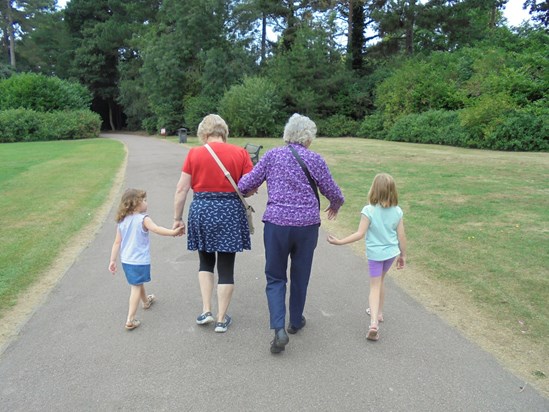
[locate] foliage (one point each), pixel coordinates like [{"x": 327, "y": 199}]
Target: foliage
[
  {"x": 42, "y": 93},
  {"x": 372, "y": 127},
  {"x": 26, "y": 125},
  {"x": 252, "y": 108},
  {"x": 421, "y": 84},
  {"x": 337, "y": 126},
  {"x": 196, "y": 107},
  {"x": 521, "y": 131},
  {"x": 433, "y": 126},
  {"x": 311, "y": 58}
]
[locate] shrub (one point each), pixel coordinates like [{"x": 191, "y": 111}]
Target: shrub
[
  {"x": 521, "y": 131},
  {"x": 372, "y": 127},
  {"x": 483, "y": 116},
  {"x": 150, "y": 125},
  {"x": 42, "y": 93},
  {"x": 337, "y": 126},
  {"x": 22, "y": 125},
  {"x": 434, "y": 126},
  {"x": 252, "y": 108}
]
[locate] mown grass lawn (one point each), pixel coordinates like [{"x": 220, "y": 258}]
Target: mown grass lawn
[{"x": 50, "y": 190}]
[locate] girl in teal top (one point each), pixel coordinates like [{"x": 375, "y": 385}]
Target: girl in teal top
[{"x": 381, "y": 223}]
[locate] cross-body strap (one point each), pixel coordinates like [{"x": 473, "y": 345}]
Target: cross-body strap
[
  {"x": 309, "y": 178},
  {"x": 227, "y": 175}
]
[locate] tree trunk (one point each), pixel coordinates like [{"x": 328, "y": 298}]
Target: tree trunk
[
  {"x": 111, "y": 121},
  {"x": 410, "y": 21},
  {"x": 11, "y": 35},
  {"x": 263, "y": 36}
]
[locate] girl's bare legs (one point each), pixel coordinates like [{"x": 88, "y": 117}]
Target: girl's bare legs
[
  {"x": 224, "y": 295},
  {"x": 143, "y": 295},
  {"x": 135, "y": 297},
  {"x": 376, "y": 285},
  {"x": 381, "y": 297},
  {"x": 206, "y": 281}
]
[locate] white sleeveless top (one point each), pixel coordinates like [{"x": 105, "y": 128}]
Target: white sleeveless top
[{"x": 135, "y": 247}]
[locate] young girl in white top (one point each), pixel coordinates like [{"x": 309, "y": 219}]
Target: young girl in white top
[
  {"x": 381, "y": 223},
  {"x": 132, "y": 241}
]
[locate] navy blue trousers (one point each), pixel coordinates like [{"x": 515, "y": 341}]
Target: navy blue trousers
[{"x": 299, "y": 244}]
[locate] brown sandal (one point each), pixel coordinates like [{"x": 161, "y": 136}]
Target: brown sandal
[
  {"x": 131, "y": 325},
  {"x": 150, "y": 301}
]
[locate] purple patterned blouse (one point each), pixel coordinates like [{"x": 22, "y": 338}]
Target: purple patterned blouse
[{"x": 291, "y": 199}]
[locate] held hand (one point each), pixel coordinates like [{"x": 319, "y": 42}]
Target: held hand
[
  {"x": 401, "y": 262},
  {"x": 251, "y": 192},
  {"x": 179, "y": 231},
  {"x": 112, "y": 267},
  {"x": 179, "y": 226},
  {"x": 332, "y": 214},
  {"x": 333, "y": 240}
]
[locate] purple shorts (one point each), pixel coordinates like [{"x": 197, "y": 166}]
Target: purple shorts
[{"x": 378, "y": 267}]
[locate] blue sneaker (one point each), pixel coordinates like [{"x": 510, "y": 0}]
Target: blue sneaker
[
  {"x": 222, "y": 327},
  {"x": 205, "y": 318}
]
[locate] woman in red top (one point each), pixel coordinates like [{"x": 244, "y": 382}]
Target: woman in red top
[{"x": 217, "y": 224}]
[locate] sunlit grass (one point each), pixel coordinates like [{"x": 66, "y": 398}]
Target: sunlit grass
[{"x": 50, "y": 190}]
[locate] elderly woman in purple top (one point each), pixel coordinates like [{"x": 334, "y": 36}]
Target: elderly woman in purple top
[{"x": 292, "y": 220}]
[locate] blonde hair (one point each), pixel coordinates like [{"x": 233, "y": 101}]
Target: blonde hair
[
  {"x": 131, "y": 199},
  {"x": 299, "y": 129},
  {"x": 383, "y": 191},
  {"x": 212, "y": 125}
]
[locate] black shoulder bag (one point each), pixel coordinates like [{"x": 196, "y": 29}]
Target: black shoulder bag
[{"x": 306, "y": 171}]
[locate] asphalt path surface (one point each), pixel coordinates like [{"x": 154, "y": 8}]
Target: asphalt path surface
[{"x": 74, "y": 354}]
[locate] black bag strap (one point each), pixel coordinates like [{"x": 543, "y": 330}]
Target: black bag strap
[{"x": 306, "y": 171}]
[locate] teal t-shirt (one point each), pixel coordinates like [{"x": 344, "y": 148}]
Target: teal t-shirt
[{"x": 382, "y": 238}]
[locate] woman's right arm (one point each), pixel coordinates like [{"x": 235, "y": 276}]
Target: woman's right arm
[{"x": 181, "y": 191}]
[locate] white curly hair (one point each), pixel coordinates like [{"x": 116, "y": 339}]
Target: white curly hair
[{"x": 299, "y": 129}]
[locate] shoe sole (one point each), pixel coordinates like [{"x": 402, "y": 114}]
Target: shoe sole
[
  {"x": 223, "y": 330},
  {"x": 205, "y": 321},
  {"x": 133, "y": 326},
  {"x": 278, "y": 348},
  {"x": 373, "y": 335}
]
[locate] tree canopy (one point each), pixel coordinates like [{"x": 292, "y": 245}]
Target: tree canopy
[{"x": 358, "y": 66}]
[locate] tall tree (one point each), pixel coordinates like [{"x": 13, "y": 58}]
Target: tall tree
[
  {"x": 539, "y": 10},
  {"x": 19, "y": 17},
  {"x": 101, "y": 31}
]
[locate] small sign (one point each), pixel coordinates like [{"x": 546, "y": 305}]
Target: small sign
[{"x": 163, "y": 132}]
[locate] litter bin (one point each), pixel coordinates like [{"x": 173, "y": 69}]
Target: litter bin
[{"x": 182, "y": 133}]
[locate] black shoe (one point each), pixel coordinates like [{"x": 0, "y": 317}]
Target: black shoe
[
  {"x": 280, "y": 341},
  {"x": 293, "y": 330}
]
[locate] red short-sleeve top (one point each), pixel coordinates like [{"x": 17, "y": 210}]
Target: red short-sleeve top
[{"x": 206, "y": 175}]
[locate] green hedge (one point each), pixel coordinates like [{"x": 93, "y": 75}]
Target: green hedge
[
  {"x": 434, "y": 126},
  {"x": 42, "y": 93},
  {"x": 337, "y": 126},
  {"x": 22, "y": 125},
  {"x": 521, "y": 131}
]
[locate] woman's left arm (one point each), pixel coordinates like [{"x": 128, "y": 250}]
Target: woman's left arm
[{"x": 328, "y": 187}]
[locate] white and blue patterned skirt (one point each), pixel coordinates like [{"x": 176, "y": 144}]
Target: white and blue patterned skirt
[{"x": 217, "y": 223}]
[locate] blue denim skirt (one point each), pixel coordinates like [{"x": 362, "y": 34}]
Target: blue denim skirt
[
  {"x": 137, "y": 274},
  {"x": 217, "y": 223}
]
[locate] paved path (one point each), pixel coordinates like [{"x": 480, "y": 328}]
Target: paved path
[{"x": 74, "y": 355}]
